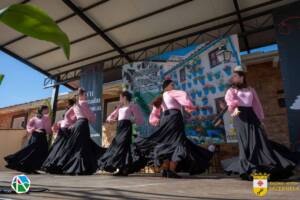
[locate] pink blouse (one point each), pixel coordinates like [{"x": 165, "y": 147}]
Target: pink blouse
[
  {"x": 125, "y": 113},
  {"x": 82, "y": 110},
  {"x": 36, "y": 123},
  {"x": 174, "y": 99},
  {"x": 69, "y": 118},
  {"x": 245, "y": 98}
]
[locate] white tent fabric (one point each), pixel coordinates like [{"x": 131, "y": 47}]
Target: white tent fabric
[{"x": 136, "y": 25}]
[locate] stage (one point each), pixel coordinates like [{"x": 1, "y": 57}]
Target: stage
[{"x": 141, "y": 186}]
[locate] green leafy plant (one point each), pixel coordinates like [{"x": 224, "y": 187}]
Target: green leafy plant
[
  {"x": 1, "y": 78},
  {"x": 34, "y": 22}
]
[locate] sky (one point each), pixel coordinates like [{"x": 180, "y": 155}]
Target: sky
[{"x": 23, "y": 84}]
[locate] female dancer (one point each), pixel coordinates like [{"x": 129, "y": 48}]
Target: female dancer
[
  {"x": 168, "y": 146},
  {"x": 30, "y": 158},
  {"x": 256, "y": 152},
  {"x": 53, "y": 162},
  {"x": 82, "y": 153},
  {"x": 118, "y": 155}
]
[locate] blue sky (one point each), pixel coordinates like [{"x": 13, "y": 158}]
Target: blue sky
[{"x": 23, "y": 84}]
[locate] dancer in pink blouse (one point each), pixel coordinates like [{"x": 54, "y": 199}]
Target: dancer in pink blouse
[
  {"x": 118, "y": 156},
  {"x": 30, "y": 158},
  {"x": 81, "y": 152},
  {"x": 256, "y": 152},
  {"x": 168, "y": 147},
  {"x": 53, "y": 162}
]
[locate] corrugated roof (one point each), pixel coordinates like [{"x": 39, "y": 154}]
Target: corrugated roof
[{"x": 103, "y": 30}]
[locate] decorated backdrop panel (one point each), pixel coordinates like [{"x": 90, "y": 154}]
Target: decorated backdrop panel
[
  {"x": 202, "y": 76},
  {"x": 91, "y": 80},
  {"x": 143, "y": 79}
]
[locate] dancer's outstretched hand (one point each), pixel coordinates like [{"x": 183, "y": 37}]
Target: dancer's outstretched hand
[
  {"x": 189, "y": 110},
  {"x": 236, "y": 112},
  {"x": 156, "y": 123}
]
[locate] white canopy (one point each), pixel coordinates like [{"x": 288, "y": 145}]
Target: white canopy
[{"x": 122, "y": 31}]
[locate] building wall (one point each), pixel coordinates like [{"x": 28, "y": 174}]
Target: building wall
[
  {"x": 14, "y": 140},
  {"x": 5, "y": 121},
  {"x": 6, "y": 118},
  {"x": 268, "y": 84}
]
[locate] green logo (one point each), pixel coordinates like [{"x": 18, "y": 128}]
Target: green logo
[{"x": 20, "y": 184}]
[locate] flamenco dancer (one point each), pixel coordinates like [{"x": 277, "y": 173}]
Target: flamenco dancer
[
  {"x": 30, "y": 158},
  {"x": 82, "y": 153},
  {"x": 256, "y": 152},
  {"x": 53, "y": 162},
  {"x": 168, "y": 146},
  {"x": 119, "y": 154}
]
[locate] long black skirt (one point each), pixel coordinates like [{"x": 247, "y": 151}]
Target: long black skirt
[
  {"x": 119, "y": 154},
  {"x": 53, "y": 163},
  {"x": 81, "y": 152},
  {"x": 31, "y": 157},
  {"x": 169, "y": 142},
  {"x": 256, "y": 152}
]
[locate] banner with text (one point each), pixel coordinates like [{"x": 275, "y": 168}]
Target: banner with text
[{"x": 91, "y": 79}]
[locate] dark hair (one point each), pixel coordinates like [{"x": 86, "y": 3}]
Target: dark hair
[
  {"x": 166, "y": 83},
  {"x": 127, "y": 95},
  {"x": 39, "y": 113},
  {"x": 81, "y": 91},
  {"x": 158, "y": 100},
  {"x": 71, "y": 102},
  {"x": 240, "y": 85}
]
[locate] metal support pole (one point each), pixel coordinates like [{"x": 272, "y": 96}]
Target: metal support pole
[{"x": 54, "y": 100}]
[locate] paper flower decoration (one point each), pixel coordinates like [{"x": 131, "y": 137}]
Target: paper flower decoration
[
  {"x": 195, "y": 81},
  {"x": 200, "y": 70},
  {"x": 205, "y": 101},
  {"x": 221, "y": 87},
  {"x": 209, "y": 76},
  {"x": 202, "y": 80},
  {"x": 217, "y": 75},
  {"x": 227, "y": 69},
  {"x": 199, "y": 93},
  {"x": 213, "y": 89}
]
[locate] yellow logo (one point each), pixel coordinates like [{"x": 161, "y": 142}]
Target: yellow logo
[{"x": 260, "y": 184}]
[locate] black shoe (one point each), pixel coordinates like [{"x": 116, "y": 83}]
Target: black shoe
[
  {"x": 164, "y": 173},
  {"x": 172, "y": 174}
]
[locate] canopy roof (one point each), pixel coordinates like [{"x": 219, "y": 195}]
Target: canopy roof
[{"x": 121, "y": 31}]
